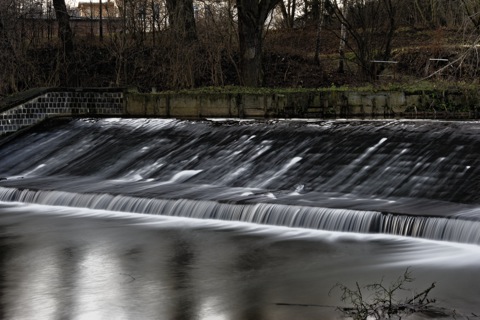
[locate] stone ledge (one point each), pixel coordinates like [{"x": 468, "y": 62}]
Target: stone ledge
[{"x": 61, "y": 102}]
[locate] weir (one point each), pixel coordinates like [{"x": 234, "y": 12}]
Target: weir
[
  {"x": 410, "y": 178},
  {"x": 345, "y": 220}
]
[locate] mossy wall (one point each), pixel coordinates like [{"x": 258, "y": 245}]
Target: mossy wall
[
  {"x": 304, "y": 104},
  {"x": 239, "y": 103}
]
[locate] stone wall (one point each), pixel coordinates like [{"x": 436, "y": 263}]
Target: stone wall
[{"x": 98, "y": 102}]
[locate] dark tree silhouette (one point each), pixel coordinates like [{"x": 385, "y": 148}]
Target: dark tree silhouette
[
  {"x": 66, "y": 37},
  {"x": 182, "y": 19},
  {"x": 252, "y": 15}
]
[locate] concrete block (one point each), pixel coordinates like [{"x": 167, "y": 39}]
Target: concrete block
[
  {"x": 354, "y": 99},
  {"x": 253, "y": 105},
  {"x": 215, "y": 105},
  {"x": 184, "y": 106}
]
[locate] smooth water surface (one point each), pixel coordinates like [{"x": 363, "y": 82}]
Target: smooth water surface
[{"x": 63, "y": 263}]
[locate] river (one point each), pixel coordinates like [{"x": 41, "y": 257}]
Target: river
[{"x": 169, "y": 219}]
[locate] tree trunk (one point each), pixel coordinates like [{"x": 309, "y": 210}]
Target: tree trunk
[
  {"x": 317, "y": 11},
  {"x": 283, "y": 10},
  {"x": 182, "y": 19},
  {"x": 390, "y": 8},
  {"x": 66, "y": 36},
  {"x": 5, "y": 44},
  {"x": 343, "y": 37},
  {"x": 7, "y": 63},
  {"x": 251, "y": 19},
  {"x": 292, "y": 13}
]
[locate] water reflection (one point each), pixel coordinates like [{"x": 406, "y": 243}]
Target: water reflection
[
  {"x": 180, "y": 267},
  {"x": 251, "y": 300},
  {"x": 5, "y": 253},
  {"x": 69, "y": 263},
  {"x": 58, "y": 263}
]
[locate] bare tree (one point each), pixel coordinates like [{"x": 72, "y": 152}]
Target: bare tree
[
  {"x": 7, "y": 82},
  {"x": 217, "y": 31},
  {"x": 66, "y": 37},
  {"x": 472, "y": 10},
  {"x": 182, "y": 19},
  {"x": 370, "y": 26},
  {"x": 19, "y": 34},
  {"x": 288, "y": 11},
  {"x": 318, "y": 16},
  {"x": 343, "y": 14},
  {"x": 431, "y": 13},
  {"x": 252, "y": 15}
]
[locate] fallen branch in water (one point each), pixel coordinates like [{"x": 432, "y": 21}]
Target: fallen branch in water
[{"x": 380, "y": 302}]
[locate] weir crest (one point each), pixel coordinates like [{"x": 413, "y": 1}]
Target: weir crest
[{"x": 409, "y": 178}]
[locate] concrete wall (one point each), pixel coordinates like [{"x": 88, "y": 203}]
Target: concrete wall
[
  {"x": 275, "y": 104},
  {"x": 306, "y": 104},
  {"x": 62, "y": 103},
  {"x": 182, "y": 105}
]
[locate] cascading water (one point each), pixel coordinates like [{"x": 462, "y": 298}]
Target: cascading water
[
  {"x": 168, "y": 219},
  {"x": 407, "y": 178},
  {"x": 346, "y": 220}
]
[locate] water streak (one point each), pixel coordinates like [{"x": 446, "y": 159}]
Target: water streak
[
  {"x": 345, "y": 220},
  {"x": 277, "y": 173}
]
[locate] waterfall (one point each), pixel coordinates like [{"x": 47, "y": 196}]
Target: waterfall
[
  {"x": 155, "y": 166},
  {"x": 344, "y": 220}
]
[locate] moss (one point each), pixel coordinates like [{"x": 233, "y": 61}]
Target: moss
[
  {"x": 233, "y": 90},
  {"x": 409, "y": 87}
]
